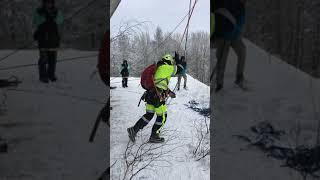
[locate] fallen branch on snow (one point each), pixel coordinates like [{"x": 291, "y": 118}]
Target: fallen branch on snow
[
  {"x": 139, "y": 157},
  {"x": 305, "y": 160},
  {"x": 202, "y": 111}
]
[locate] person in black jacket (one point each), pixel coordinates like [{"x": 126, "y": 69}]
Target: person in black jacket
[
  {"x": 46, "y": 19},
  {"x": 229, "y": 22},
  {"x": 125, "y": 73}
]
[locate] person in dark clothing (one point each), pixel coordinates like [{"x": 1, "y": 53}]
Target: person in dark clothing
[
  {"x": 46, "y": 19},
  {"x": 182, "y": 69},
  {"x": 229, "y": 22},
  {"x": 125, "y": 73}
]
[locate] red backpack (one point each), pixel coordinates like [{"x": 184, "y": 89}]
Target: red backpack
[{"x": 147, "y": 75}]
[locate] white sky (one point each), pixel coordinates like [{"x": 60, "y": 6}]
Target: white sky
[{"x": 164, "y": 13}]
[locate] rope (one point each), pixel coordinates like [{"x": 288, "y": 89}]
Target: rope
[
  {"x": 186, "y": 30},
  {"x": 128, "y": 80},
  {"x": 59, "y": 61},
  {"x": 162, "y": 43},
  {"x": 15, "y": 51},
  {"x": 81, "y": 9},
  {"x": 128, "y": 91},
  {"x": 39, "y": 92}
]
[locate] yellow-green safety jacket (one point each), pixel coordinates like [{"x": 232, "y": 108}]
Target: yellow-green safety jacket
[{"x": 163, "y": 75}]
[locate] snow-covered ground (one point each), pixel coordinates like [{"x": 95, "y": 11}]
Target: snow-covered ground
[
  {"x": 280, "y": 94},
  {"x": 177, "y": 162},
  {"x": 48, "y": 125}
]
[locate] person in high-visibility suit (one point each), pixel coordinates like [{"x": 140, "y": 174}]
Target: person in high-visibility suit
[{"x": 155, "y": 100}]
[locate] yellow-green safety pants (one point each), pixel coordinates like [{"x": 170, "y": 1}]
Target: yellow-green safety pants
[{"x": 160, "y": 111}]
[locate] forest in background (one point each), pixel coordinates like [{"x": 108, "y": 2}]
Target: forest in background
[
  {"x": 288, "y": 29},
  {"x": 133, "y": 43},
  {"x": 85, "y": 23}
]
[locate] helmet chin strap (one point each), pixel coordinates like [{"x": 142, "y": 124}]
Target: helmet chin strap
[{"x": 167, "y": 62}]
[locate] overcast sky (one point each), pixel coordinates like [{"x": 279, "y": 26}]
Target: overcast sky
[{"x": 164, "y": 13}]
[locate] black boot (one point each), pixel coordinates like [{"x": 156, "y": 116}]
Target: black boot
[
  {"x": 3, "y": 146},
  {"x": 43, "y": 73},
  {"x": 126, "y": 82},
  {"x": 53, "y": 79},
  {"x": 42, "y": 66},
  {"x": 155, "y": 138},
  {"x": 123, "y": 84},
  {"x": 239, "y": 80},
  {"x": 140, "y": 124},
  {"x": 44, "y": 79}
]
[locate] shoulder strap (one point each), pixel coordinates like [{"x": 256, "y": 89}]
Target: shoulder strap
[
  {"x": 226, "y": 13},
  {"x": 181, "y": 66}
]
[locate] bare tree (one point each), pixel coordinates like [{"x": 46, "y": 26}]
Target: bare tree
[
  {"x": 140, "y": 157},
  {"x": 137, "y": 46},
  {"x": 125, "y": 45},
  {"x": 158, "y": 38},
  {"x": 285, "y": 28},
  {"x": 199, "y": 56},
  {"x": 201, "y": 146}
]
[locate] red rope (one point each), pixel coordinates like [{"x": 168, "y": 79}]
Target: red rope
[{"x": 187, "y": 26}]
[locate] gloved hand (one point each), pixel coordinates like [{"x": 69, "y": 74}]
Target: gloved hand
[
  {"x": 144, "y": 96},
  {"x": 171, "y": 93}
]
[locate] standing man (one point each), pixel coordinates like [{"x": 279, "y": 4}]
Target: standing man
[
  {"x": 156, "y": 100},
  {"x": 182, "y": 69},
  {"x": 229, "y": 22},
  {"x": 46, "y": 19},
  {"x": 124, "y": 73}
]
